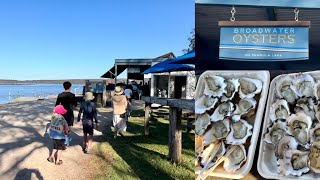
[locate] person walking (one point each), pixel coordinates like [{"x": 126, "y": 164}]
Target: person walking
[
  {"x": 59, "y": 131},
  {"x": 89, "y": 111},
  {"x": 68, "y": 101},
  {"x": 119, "y": 103},
  {"x": 128, "y": 93}
]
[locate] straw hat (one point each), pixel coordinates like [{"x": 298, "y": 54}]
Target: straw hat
[
  {"x": 118, "y": 90},
  {"x": 88, "y": 96},
  {"x": 59, "y": 110}
]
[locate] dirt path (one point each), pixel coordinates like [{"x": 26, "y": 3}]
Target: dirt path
[{"x": 25, "y": 145}]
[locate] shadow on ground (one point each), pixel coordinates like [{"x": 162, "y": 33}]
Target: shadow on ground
[
  {"x": 144, "y": 154},
  {"x": 23, "y": 132}
]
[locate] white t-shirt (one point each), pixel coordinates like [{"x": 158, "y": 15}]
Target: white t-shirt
[{"x": 128, "y": 93}]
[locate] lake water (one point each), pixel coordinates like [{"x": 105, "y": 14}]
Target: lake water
[{"x": 9, "y": 92}]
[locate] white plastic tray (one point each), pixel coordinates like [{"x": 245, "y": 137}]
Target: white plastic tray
[
  {"x": 267, "y": 162},
  {"x": 255, "y": 120}
]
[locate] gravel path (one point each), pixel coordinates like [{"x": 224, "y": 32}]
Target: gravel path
[{"x": 25, "y": 145}]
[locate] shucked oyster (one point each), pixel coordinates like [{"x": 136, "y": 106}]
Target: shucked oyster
[
  {"x": 219, "y": 130},
  {"x": 214, "y": 86},
  {"x": 279, "y": 110},
  {"x": 201, "y": 124},
  {"x": 286, "y": 143},
  {"x": 223, "y": 110},
  {"x": 276, "y": 132},
  {"x": 245, "y": 108},
  {"x": 207, "y": 153},
  {"x": 314, "y": 157},
  {"x": 231, "y": 89},
  {"x": 205, "y": 103},
  {"x": 249, "y": 87},
  {"x": 299, "y": 126},
  {"x": 295, "y": 163},
  {"x": 240, "y": 131},
  {"x": 305, "y": 105},
  {"x": 315, "y": 134},
  {"x": 284, "y": 89},
  {"x": 236, "y": 159},
  {"x": 303, "y": 85},
  {"x": 317, "y": 90}
]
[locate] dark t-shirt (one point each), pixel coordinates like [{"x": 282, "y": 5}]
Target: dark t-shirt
[
  {"x": 68, "y": 101},
  {"x": 89, "y": 111}
]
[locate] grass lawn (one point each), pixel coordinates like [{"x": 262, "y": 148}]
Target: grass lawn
[{"x": 141, "y": 157}]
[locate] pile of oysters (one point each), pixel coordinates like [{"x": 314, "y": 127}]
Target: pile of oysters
[
  {"x": 294, "y": 129},
  {"x": 222, "y": 110}
]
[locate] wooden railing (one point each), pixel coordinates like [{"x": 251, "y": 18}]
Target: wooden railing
[{"x": 175, "y": 114}]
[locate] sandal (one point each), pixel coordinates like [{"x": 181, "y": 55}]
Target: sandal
[
  {"x": 59, "y": 163},
  {"x": 50, "y": 160}
]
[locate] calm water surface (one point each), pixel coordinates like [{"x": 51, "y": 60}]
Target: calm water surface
[{"x": 9, "y": 92}]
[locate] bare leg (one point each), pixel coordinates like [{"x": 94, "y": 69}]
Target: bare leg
[
  {"x": 90, "y": 141},
  {"x": 53, "y": 153},
  {"x": 84, "y": 141},
  {"x": 58, "y": 156}
]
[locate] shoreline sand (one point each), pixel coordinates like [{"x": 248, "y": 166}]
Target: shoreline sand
[{"x": 25, "y": 145}]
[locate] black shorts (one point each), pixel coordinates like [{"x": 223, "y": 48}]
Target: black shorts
[
  {"x": 88, "y": 130},
  {"x": 59, "y": 144},
  {"x": 69, "y": 120}
]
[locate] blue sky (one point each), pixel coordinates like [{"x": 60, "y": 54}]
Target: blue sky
[{"x": 63, "y": 39}]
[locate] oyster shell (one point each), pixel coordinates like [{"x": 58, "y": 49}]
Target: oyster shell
[
  {"x": 201, "y": 124},
  {"x": 317, "y": 111},
  {"x": 219, "y": 130},
  {"x": 314, "y": 157},
  {"x": 249, "y": 87},
  {"x": 299, "y": 126},
  {"x": 231, "y": 89},
  {"x": 295, "y": 163},
  {"x": 315, "y": 134},
  {"x": 207, "y": 153},
  {"x": 214, "y": 86},
  {"x": 284, "y": 89},
  {"x": 245, "y": 108},
  {"x": 223, "y": 110},
  {"x": 205, "y": 103},
  {"x": 240, "y": 131},
  {"x": 303, "y": 85},
  {"x": 279, "y": 110},
  {"x": 305, "y": 105},
  {"x": 276, "y": 132},
  {"x": 286, "y": 143},
  {"x": 198, "y": 145},
  {"x": 236, "y": 159},
  {"x": 317, "y": 90}
]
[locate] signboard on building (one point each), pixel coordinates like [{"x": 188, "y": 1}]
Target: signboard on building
[
  {"x": 264, "y": 40},
  {"x": 133, "y": 70}
]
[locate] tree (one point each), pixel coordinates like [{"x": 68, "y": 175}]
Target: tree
[{"x": 191, "y": 40}]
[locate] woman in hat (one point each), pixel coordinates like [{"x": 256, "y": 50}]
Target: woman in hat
[
  {"x": 89, "y": 111},
  {"x": 120, "y": 104}
]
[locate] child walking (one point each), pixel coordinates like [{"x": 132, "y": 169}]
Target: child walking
[
  {"x": 59, "y": 130},
  {"x": 89, "y": 111}
]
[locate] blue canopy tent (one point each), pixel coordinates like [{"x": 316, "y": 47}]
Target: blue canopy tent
[
  {"x": 167, "y": 66},
  {"x": 188, "y": 58}
]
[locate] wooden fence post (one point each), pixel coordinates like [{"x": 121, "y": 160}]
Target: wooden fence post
[
  {"x": 147, "y": 109},
  {"x": 175, "y": 135}
]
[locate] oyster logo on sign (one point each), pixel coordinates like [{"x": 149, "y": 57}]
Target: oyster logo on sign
[{"x": 264, "y": 43}]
